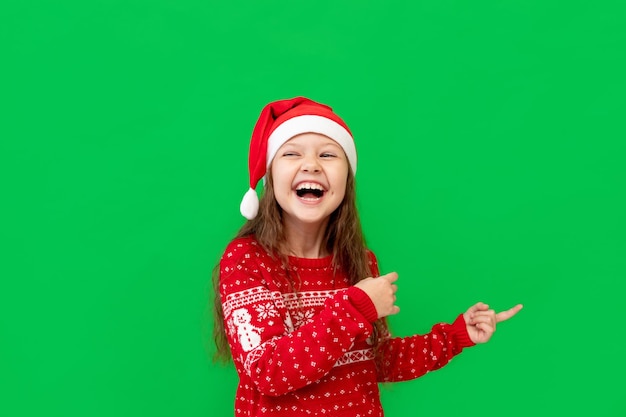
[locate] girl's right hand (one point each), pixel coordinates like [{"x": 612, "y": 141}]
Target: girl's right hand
[{"x": 382, "y": 292}]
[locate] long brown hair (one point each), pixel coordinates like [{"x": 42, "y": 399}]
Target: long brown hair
[{"x": 343, "y": 239}]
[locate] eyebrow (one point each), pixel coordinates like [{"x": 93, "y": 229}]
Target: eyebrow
[
  {"x": 332, "y": 143},
  {"x": 329, "y": 142}
]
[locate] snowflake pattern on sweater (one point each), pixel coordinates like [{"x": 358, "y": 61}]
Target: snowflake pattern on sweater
[{"x": 301, "y": 346}]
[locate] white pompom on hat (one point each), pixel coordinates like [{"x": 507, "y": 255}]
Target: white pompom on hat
[{"x": 280, "y": 121}]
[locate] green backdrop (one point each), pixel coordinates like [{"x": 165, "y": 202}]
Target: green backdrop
[{"x": 492, "y": 168}]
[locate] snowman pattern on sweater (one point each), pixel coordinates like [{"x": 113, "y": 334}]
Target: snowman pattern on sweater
[{"x": 249, "y": 335}]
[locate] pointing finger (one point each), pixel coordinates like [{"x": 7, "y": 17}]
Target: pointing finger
[
  {"x": 505, "y": 315},
  {"x": 391, "y": 277}
]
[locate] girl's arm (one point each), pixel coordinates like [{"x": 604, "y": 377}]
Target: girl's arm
[
  {"x": 265, "y": 347},
  {"x": 412, "y": 357},
  {"x": 408, "y": 358}
]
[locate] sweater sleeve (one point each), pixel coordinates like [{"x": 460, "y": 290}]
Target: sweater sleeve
[
  {"x": 411, "y": 357},
  {"x": 266, "y": 348}
]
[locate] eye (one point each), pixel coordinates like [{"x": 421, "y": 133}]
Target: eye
[
  {"x": 328, "y": 155},
  {"x": 290, "y": 153}
]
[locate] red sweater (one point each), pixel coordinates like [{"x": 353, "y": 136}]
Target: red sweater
[{"x": 304, "y": 351}]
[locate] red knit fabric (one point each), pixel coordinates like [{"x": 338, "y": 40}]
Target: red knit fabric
[{"x": 300, "y": 345}]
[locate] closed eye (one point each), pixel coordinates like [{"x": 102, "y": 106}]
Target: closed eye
[{"x": 328, "y": 155}]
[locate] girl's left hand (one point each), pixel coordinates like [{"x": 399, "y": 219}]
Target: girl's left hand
[{"x": 481, "y": 321}]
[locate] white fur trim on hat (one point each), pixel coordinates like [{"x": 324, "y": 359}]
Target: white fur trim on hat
[{"x": 311, "y": 124}]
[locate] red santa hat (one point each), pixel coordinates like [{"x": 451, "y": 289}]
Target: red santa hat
[{"x": 280, "y": 121}]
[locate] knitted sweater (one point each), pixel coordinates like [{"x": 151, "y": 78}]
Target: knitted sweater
[{"x": 304, "y": 351}]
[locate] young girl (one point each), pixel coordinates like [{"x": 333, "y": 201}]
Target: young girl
[{"x": 299, "y": 301}]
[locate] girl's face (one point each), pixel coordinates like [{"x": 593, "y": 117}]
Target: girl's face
[{"x": 309, "y": 178}]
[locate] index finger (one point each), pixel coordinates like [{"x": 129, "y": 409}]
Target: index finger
[
  {"x": 391, "y": 277},
  {"x": 507, "y": 314}
]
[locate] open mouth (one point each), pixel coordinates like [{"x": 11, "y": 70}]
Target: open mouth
[{"x": 310, "y": 191}]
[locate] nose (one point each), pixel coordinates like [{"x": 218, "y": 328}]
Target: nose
[{"x": 310, "y": 164}]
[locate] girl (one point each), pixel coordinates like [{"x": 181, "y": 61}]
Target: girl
[{"x": 297, "y": 304}]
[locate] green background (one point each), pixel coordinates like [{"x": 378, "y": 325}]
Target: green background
[{"x": 492, "y": 168}]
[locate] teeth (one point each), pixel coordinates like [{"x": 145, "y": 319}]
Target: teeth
[{"x": 310, "y": 186}]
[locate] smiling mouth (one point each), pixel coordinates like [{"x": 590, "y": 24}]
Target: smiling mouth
[{"x": 310, "y": 191}]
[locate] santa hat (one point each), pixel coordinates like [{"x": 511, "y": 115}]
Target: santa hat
[{"x": 280, "y": 121}]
